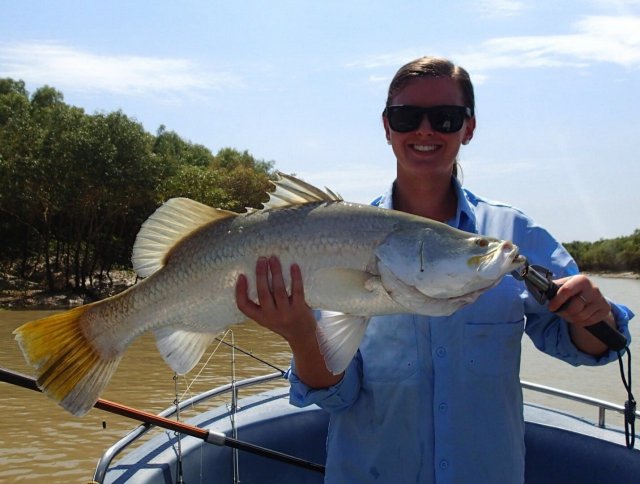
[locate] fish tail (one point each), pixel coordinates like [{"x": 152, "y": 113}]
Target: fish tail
[{"x": 69, "y": 369}]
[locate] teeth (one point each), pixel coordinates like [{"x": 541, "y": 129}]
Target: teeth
[{"x": 424, "y": 147}]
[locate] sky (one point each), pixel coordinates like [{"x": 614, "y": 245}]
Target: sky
[{"x": 303, "y": 84}]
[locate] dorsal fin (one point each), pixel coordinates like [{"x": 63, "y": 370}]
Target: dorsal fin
[
  {"x": 171, "y": 222},
  {"x": 293, "y": 191}
]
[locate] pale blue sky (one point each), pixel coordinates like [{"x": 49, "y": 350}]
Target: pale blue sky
[{"x": 304, "y": 83}]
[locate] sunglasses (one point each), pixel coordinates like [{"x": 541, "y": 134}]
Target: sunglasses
[{"x": 444, "y": 119}]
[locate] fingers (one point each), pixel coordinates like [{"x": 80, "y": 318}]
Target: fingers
[
  {"x": 280, "y": 297},
  {"x": 579, "y": 301},
  {"x": 244, "y": 303},
  {"x": 297, "y": 288},
  {"x": 271, "y": 290},
  {"x": 263, "y": 285}
]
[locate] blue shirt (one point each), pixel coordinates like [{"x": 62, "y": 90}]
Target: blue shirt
[{"x": 438, "y": 399}]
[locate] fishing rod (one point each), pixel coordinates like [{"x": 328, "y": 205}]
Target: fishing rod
[
  {"x": 216, "y": 438},
  {"x": 250, "y": 354}
]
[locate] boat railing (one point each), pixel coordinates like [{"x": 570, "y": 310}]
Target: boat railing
[
  {"x": 122, "y": 444},
  {"x": 131, "y": 437},
  {"x": 601, "y": 405}
]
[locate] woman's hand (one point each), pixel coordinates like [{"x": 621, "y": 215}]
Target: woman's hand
[
  {"x": 288, "y": 315},
  {"x": 580, "y": 303}
]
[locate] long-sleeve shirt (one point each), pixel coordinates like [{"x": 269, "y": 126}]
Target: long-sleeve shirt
[{"x": 438, "y": 399}]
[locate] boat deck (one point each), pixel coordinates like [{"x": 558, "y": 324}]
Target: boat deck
[{"x": 560, "y": 448}]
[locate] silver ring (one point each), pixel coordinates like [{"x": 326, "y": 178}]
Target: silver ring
[{"x": 583, "y": 299}]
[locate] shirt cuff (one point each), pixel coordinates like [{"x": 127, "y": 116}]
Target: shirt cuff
[
  {"x": 621, "y": 315},
  {"x": 334, "y": 398}
]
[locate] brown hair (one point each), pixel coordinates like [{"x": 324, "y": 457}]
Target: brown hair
[{"x": 434, "y": 67}]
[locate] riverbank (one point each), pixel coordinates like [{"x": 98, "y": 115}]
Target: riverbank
[
  {"x": 16, "y": 293},
  {"x": 615, "y": 275}
]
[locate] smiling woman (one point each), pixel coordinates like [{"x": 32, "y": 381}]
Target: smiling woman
[
  {"x": 446, "y": 114},
  {"x": 454, "y": 366}
]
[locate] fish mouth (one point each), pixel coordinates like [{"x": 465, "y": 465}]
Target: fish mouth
[
  {"x": 515, "y": 258},
  {"x": 518, "y": 258}
]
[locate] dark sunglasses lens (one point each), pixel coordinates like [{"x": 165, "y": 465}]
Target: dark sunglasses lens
[
  {"x": 446, "y": 119},
  {"x": 404, "y": 118}
]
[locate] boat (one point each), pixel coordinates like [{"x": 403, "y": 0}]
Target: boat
[{"x": 561, "y": 447}]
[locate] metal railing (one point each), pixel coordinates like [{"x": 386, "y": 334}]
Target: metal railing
[
  {"x": 602, "y": 405},
  {"x": 122, "y": 444}
]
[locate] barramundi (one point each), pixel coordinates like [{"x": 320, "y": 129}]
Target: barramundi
[{"x": 356, "y": 260}]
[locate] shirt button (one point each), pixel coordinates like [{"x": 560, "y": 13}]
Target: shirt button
[
  {"x": 441, "y": 352},
  {"x": 444, "y": 464},
  {"x": 443, "y": 407}
]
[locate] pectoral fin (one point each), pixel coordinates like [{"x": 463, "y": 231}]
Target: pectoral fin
[
  {"x": 362, "y": 290},
  {"x": 339, "y": 336}
]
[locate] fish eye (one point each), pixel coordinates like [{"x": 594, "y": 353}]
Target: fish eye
[{"x": 481, "y": 242}]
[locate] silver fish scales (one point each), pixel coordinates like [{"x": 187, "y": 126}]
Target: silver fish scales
[{"x": 356, "y": 260}]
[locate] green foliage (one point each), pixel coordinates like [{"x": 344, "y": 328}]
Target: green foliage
[
  {"x": 76, "y": 187},
  {"x": 619, "y": 254},
  {"x": 174, "y": 151},
  {"x": 232, "y": 180}
]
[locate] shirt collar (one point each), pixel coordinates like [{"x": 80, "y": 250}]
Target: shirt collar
[{"x": 465, "y": 218}]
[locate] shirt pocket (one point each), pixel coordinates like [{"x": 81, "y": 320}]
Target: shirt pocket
[
  {"x": 390, "y": 349},
  {"x": 493, "y": 329},
  {"x": 493, "y": 349}
]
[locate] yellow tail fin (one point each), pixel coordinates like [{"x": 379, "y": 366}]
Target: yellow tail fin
[{"x": 68, "y": 368}]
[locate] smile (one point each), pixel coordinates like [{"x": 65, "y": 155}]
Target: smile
[{"x": 425, "y": 148}]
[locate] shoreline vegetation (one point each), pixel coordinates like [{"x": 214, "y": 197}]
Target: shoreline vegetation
[
  {"x": 76, "y": 187},
  {"x": 18, "y": 294}
]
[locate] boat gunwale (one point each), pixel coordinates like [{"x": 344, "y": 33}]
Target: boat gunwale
[
  {"x": 132, "y": 436},
  {"x": 119, "y": 446}
]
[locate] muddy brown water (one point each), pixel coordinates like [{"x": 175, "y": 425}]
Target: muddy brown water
[{"x": 41, "y": 442}]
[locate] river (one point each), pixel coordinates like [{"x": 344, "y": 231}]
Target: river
[{"x": 40, "y": 442}]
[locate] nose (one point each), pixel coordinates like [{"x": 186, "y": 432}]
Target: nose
[{"x": 424, "y": 126}]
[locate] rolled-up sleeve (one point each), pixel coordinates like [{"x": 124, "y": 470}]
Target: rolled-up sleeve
[
  {"x": 550, "y": 334},
  {"x": 332, "y": 399},
  {"x": 622, "y": 315}
]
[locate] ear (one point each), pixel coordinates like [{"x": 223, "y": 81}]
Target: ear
[
  {"x": 469, "y": 128},
  {"x": 387, "y": 130}
]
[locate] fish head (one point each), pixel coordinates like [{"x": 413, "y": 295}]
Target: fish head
[{"x": 442, "y": 262}]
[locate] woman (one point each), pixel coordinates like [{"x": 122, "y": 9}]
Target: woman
[{"x": 436, "y": 399}]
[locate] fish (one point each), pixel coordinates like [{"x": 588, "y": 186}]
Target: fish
[{"x": 357, "y": 261}]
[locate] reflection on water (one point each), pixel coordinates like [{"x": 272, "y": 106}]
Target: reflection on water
[{"x": 40, "y": 441}]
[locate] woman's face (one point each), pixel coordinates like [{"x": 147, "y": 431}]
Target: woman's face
[{"x": 425, "y": 151}]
